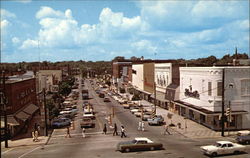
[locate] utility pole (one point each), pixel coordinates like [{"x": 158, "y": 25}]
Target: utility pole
[
  {"x": 222, "y": 102},
  {"x": 45, "y": 113},
  {"x": 154, "y": 99},
  {"x": 3, "y": 104}
]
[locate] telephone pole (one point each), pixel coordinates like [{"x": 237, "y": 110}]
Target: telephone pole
[
  {"x": 3, "y": 106},
  {"x": 45, "y": 113},
  {"x": 222, "y": 106}
]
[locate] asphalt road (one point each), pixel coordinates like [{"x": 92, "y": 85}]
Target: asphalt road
[{"x": 98, "y": 145}]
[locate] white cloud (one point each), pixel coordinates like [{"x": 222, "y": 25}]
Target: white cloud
[
  {"x": 213, "y": 9},
  {"x": 48, "y": 12},
  {"x": 6, "y": 14},
  {"x": 60, "y": 29},
  {"x": 29, "y": 44},
  {"x": 143, "y": 45},
  {"x": 4, "y": 24},
  {"x": 15, "y": 40}
]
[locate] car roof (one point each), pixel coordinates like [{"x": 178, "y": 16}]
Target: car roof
[
  {"x": 143, "y": 138},
  {"x": 223, "y": 142}
]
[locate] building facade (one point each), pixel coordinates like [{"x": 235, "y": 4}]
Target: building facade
[
  {"x": 200, "y": 97},
  {"x": 21, "y": 103},
  {"x": 48, "y": 79}
]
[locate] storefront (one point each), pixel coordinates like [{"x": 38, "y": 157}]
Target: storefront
[{"x": 207, "y": 118}]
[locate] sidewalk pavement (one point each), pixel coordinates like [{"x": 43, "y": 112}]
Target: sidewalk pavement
[
  {"x": 189, "y": 128},
  {"x": 25, "y": 137}
]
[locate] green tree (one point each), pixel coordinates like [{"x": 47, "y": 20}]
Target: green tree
[{"x": 64, "y": 88}]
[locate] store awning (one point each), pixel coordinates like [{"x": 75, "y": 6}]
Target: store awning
[
  {"x": 31, "y": 109},
  {"x": 22, "y": 115},
  {"x": 11, "y": 121}
]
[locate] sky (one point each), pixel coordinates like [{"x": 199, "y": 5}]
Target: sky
[{"x": 33, "y": 30}]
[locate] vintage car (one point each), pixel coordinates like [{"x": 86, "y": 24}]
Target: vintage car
[
  {"x": 61, "y": 122},
  {"x": 88, "y": 115},
  {"x": 139, "y": 143},
  {"x": 87, "y": 123},
  {"x": 106, "y": 99},
  {"x": 223, "y": 147},
  {"x": 243, "y": 139},
  {"x": 158, "y": 120}
]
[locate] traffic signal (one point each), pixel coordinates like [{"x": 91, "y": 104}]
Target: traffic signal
[{"x": 228, "y": 111}]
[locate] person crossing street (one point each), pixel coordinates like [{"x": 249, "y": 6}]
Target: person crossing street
[{"x": 123, "y": 132}]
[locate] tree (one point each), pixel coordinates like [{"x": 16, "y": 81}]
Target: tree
[{"x": 64, "y": 88}]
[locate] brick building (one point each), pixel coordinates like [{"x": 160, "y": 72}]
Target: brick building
[{"x": 20, "y": 92}]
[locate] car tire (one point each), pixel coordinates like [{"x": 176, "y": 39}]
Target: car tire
[
  {"x": 214, "y": 154},
  {"x": 127, "y": 150},
  {"x": 152, "y": 148}
]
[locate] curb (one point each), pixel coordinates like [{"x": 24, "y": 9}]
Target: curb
[{"x": 50, "y": 135}]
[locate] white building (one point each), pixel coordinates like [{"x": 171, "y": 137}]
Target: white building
[
  {"x": 49, "y": 79},
  {"x": 137, "y": 76},
  {"x": 201, "y": 95}
]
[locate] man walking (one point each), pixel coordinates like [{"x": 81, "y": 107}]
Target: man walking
[
  {"x": 115, "y": 130},
  {"x": 68, "y": 133},
  {"x": 105, "y": 129},
  {"x": 123, "y": 132},
  {"x": 166, "y": 130},
  {"x": 139, "y": 126}
]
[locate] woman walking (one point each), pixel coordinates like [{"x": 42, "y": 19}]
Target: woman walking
[{"x": 123, "y": 132}]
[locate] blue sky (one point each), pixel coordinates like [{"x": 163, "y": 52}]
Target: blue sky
[{"x": 101, "y": 30}]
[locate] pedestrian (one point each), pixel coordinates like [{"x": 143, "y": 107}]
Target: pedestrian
[
  {"x": 166, "y": 130},
  {"x": 68, "y": 133},
  {"x": 142, "y": 126},
  {"x": 139, "y": 126},
  {"x": 83, "y": 133},
  {"x": 105, "y": 129},
  {"x": 115, "y": 130},
  {"x": 123, "y": 132}
]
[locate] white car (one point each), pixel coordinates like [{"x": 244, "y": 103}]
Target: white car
[
  {"x": 223, "y": 147},
  {"x": 88, "y": 115}
]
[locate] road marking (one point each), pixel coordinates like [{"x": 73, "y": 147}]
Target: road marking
[
  {"x": 6, "y": 151},
  {"x": 29, "y": 152}
]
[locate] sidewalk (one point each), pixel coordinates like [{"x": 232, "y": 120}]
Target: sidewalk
[
  {"x": 189, "y": 128},
  {"x": 25, "y": 137}
]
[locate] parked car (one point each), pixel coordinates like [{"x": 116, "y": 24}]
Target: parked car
[
  {"x": 61, "y": 122},
  {"x": 223, "y": 147},
  {"x": 243, "y": 139},
  {"x": 106, "y": 99},
  {"x": 101, "y": 95},
  {"x": 157, "y": 120},
  {"x": 87, "y": 123},
  {"x": 146, "y": 116},
  {"x": 140, "y": 143}
]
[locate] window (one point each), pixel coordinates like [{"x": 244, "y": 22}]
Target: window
[
  {"x": 203, "y": 88},
  {"x": 209, "y": 88},
  {"x": 219, "y": 88},
  {"x": 245, "y": 87}
]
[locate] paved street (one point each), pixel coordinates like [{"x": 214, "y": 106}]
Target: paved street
[{"x": 98, "y": 145}]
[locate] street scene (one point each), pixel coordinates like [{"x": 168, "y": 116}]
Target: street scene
[{"x": 125, "y": 79}]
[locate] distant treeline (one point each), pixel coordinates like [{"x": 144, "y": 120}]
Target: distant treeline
[{"x": 105, "y": 67}]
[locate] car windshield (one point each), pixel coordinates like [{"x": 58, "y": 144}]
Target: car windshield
[
  {"x": 218, "y": 145},
  {"x": 133, "y": 141}
]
